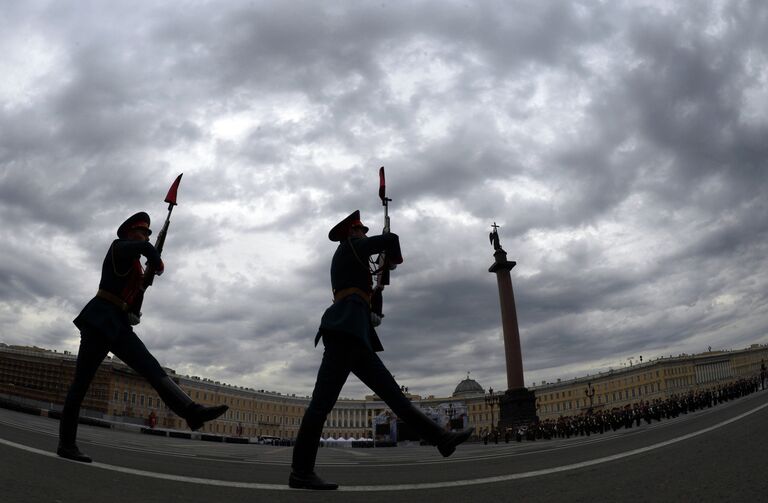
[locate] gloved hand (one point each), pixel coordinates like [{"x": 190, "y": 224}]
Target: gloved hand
[{"x": 160, "y": 269}]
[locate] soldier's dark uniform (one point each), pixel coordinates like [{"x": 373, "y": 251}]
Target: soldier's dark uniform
[
  {"x": 351, "y": 344},
  {"x": 104, "y": 326}
]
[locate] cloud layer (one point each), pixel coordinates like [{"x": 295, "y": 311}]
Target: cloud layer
[{"x": 620, "y": 146}]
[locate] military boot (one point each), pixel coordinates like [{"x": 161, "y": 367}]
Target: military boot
[
  {"x": 71, "y": 451},
  {"x": 447, "y": 444},
  {"x": 197, "y": 415},
  {"x": 310, "y": 481},
  {"x": 181, "y": 404}
]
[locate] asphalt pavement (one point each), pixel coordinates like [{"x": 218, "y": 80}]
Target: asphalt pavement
[{"x": 718, "y": 454}]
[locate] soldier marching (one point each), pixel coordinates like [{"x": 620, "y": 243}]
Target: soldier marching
[{"x": 106, "y": 322}]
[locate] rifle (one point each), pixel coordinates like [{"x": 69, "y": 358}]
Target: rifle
[
  {"x": 134, "y": 313},
  {"x": 382, "y": 265}
]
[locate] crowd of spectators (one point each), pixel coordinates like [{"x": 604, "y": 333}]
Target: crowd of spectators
[{"x": 596, "y": 422}]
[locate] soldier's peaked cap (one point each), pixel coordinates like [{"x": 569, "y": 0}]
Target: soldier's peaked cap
[
  {"x": 140, "y": 219},
  {"x": 342, "y": 229}
]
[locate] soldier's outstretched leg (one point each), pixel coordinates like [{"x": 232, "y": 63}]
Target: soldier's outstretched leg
[
  {"x": 90, "y": 355},
  {"x": 132, "y": 351},
  {"x": 183, "y": 406},
  {"x": 369, "y": 368}
]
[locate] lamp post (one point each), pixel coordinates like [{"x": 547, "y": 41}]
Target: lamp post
[
  {"x": 451, "y": 412},
  {"x": 589, "y": 392},
  {"x": 491, "y": 400}
]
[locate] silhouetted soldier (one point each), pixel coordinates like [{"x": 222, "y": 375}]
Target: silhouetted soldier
[
  {"x": 105, "y": 326},
  {"x": 351, "y": 344}
]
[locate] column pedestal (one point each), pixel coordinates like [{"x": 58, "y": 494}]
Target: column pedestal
[{"x": 517, "y": 407}]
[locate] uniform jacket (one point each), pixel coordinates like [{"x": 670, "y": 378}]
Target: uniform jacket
[
  {"x": 120, "y": 274},
  {"x": 351, "y": 316}
]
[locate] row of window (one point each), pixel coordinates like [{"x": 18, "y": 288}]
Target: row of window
[
  {"x": 237, "y": 402},
  {"x": 234, "y": 415},
  {"x": 603, "y": 398},
  {"x": 602, "y": 386}
]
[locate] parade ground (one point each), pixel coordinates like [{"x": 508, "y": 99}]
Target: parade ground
[{"x": 716, "y": 454}]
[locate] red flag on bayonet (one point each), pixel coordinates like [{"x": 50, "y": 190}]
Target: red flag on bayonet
[
  {"x": 382, "y": 185},
  {"x": 171, "y": 197}
]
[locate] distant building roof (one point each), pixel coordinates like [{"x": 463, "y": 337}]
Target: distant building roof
[{"x": 468, "y": 387}]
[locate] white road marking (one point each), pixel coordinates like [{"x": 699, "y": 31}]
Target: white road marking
[{"x": 397, "y": 487}]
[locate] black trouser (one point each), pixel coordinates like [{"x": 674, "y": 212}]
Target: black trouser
[
  {"x": 129, "y": 348},
  {"x": 344, "y": 355}
]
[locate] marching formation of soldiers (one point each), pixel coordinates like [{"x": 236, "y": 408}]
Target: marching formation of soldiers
[
  {"x": 599, "y": 422},
  {"x": 347, "y": 330}
]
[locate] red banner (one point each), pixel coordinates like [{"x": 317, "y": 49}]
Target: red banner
[{"x": 171, "y": 197}]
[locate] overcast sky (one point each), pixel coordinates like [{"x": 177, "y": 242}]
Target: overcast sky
[{"x": 621, "y": 146}]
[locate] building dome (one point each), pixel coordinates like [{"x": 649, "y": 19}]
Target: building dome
[{"x": 468, "y": 387}]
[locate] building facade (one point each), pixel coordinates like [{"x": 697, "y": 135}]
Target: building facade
[
  {"x": 656, "y": 379},
  {"x": 119, "y": 394}
]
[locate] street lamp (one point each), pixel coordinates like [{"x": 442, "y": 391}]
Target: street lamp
[
  {"x": 491, "y": 399},
  {"x": 451, "y": 412},
  {"x": 589, "y": 392}
]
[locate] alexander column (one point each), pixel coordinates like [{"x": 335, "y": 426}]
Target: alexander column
[{"x": 518, "y": 405}]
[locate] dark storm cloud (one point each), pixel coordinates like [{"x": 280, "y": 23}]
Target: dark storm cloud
[{"x": 620, "y": 146}]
